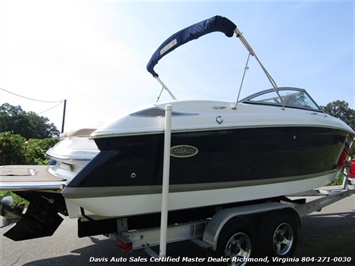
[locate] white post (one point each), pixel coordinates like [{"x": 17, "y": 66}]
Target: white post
[{"x": 165, "y": 184}]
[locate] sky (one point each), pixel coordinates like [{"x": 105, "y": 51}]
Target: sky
[{"x": 94, "y": 54}]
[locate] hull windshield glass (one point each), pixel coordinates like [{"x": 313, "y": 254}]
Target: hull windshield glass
[{"x": 292, "y": 97}]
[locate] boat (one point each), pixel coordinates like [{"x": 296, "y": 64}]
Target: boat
[
  {"x": 75, "y": 149},
  {"x": 271, "y": 144},
  {"x": 219, "y": 154}
]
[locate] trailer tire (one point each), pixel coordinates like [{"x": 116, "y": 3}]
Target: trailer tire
[
  {"x": 278, "y": 235},
  {"x": 236, "y": 240}
]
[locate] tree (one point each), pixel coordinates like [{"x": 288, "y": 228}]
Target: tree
[
  {"x": 341, "y": 110},
  {"x": 27, "y": 124},
  {"x": 11, "y": 149},
  {"x": 35, "y": 150},
  {"x": 15, "y": 149}
]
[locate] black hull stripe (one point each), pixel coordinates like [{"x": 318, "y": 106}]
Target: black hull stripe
[
  {"x": 92, "y": 192},
  {"x": 225, "y": 158}
]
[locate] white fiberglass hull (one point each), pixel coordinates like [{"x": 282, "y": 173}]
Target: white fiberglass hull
[{"x": 131, "y": 205}]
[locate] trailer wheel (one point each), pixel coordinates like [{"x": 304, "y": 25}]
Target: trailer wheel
[
  {"x": 278, "y": 235},
  {"x": 237, "y": 241}
]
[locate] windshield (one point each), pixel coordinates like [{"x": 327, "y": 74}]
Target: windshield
[{"x": 292, "y": 97}]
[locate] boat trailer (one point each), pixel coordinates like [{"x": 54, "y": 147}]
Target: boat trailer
[{"x": 207, "y": 233}]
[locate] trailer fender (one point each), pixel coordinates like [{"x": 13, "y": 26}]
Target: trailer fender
[{"x": 218, "y": 221}]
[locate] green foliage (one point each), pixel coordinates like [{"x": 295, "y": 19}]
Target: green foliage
[
  {"x": 35, "y": 150},
  {"x": 338, "y": 181},
  {"x": 341, "y": 110},
  {"x": 27, "y": 124},
  {"x": 14, "y": 149},
  {"x": 17, "y": 199},
  {"x": 11, "y": 149}
]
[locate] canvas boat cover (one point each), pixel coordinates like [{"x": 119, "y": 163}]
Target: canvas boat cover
[{"x": 216, "y": 23}]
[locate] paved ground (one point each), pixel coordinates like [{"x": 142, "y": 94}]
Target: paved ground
[{"x": 65, "y": 248}]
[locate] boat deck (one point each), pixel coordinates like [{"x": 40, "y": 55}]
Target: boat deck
[{"x": 24, "y": 177}]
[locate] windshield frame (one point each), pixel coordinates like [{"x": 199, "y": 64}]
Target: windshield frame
[{"x": 277, "y": 102}]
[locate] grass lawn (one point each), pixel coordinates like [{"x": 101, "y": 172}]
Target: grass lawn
[{"x": 15, "y": 197}]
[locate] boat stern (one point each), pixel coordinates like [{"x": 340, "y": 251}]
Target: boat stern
[{"x": 42, "y": 190}]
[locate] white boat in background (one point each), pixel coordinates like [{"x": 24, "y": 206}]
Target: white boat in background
[{"x": 74, "y": 151}]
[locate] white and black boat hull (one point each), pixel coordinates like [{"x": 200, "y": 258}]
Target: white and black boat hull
[{"x": 216, "y": 167}]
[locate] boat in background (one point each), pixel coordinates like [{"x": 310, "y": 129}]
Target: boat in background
[
  {"x": 274, "y": 143},
  {"x": 69, "y": 156}
]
